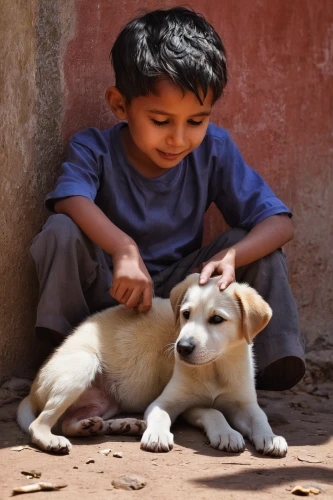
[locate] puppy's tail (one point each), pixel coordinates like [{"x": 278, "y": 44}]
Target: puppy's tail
[{"x": 25, "y": 414}]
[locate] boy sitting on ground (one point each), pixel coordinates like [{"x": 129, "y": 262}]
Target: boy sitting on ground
[{"x": 130, "y": 203}]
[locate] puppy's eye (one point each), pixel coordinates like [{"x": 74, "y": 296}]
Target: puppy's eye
[
  {"x": 186, "y": 314},
  {"x": 214, "y": 320}
]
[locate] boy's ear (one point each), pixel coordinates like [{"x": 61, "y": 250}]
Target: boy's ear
[{"x": 116, "y": 102}]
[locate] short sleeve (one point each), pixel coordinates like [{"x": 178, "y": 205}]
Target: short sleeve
[
  {"x": 82, "y": 169},
  {"x": 240, "y": 193}
]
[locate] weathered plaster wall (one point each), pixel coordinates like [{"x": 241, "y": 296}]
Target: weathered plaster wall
[
  {"x": 18, "y": 179},
  {"x": 278, "y": 107},
  {"x": 33, "y": 36}
]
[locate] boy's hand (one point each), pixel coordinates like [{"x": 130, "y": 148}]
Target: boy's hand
[
  {"x": 222, "y": 263},
  {"x": 131, "y": 284}
]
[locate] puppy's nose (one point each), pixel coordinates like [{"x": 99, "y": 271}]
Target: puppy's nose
[{"x": 186, "y": 347}]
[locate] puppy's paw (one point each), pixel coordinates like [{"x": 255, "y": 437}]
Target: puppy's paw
[
  {"x": 129, "y": 426},
  {"x": 230, "y": 441},
  {"x": 90, "y": 426},
  {"x": 275, "y": 446},
  {"x": 157, "y": 441},
  {"x": 53, "y": 444}
]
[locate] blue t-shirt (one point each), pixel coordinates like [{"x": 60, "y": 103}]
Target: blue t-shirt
[{"x": 165, "y": 216}]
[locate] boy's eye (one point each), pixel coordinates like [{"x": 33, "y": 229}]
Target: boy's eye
[
  {"x": 165, "y": 122},
  {"x": 159, "y": 124},
  {"x": 194, "y": 123}
]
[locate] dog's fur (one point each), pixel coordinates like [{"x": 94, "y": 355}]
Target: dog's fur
[{"x": 121, "y": 361}]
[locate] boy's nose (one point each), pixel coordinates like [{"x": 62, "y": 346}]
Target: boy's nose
[{"x": 177, "y": 138}]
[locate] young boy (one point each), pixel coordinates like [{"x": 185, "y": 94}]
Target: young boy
[{"x": 130, "y": 203}]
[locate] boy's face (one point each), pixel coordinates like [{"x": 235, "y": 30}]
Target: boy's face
[{"x": 163, "y": 127}]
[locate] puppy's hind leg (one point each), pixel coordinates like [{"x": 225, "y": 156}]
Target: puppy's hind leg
[
  {"x": 91, "y": 416},
  {"x": 95, "y": 425},
  {"x": 61, "y": 382},
  {"x": 128, "y": 426}
]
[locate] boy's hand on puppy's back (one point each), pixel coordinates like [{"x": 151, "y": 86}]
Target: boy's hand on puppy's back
[
  {"x": 131, "y": 284},
  {"x": 222, "y": 263}
]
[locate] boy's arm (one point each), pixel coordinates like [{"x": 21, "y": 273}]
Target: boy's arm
[
  {"x": 267, "y": 236},
  {"x": 131, "y": 284}
]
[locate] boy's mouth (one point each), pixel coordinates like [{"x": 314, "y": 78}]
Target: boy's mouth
[{"x": 169, "y": 156}]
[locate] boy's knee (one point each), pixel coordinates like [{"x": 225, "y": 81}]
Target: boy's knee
[
  {"x": 59, "y": 229},
  {"x": 59, "y": 223},
  {"x": 275, "y": 261},
  {"x": 232, "y": 236}
]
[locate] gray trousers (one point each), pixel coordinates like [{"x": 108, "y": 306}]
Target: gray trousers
[{"x": 75, "y": 278}]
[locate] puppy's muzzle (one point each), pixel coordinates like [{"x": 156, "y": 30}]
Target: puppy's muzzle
[{"x": 186, "y": 347}]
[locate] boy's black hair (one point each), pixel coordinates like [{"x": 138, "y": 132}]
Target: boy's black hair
[{"x": 177, "y": 43}]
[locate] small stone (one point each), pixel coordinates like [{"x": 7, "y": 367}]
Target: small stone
[
  {"x": 31, "y": 473},
  {"x": 300, "y": 491},
  {"x": 118, "y": 454},
  {"x": 105, "y": 452},
  {"x": 305, "y": 490},
  {"x": 130, "y": 482},
  {"x": 90, "y": 461}
]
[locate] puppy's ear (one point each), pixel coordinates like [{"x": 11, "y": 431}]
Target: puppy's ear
[
  {"x": 178, "y": 292},
  {"x": 255, "y": 311}
]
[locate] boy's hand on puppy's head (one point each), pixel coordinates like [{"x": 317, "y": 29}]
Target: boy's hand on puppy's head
[
  {"x": 131, "y": 284},
  {"x": 223, "y": 263}
]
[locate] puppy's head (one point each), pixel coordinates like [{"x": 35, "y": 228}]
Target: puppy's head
[{"x": 212, "y": 322}]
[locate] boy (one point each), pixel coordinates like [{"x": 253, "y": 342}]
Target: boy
[{"x": 131, "y": 200}]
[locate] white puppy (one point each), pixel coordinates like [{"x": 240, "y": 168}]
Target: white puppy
[{"x": 122, "y": 361}]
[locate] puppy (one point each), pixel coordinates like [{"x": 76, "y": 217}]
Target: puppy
[{"x": 122, "y": 361}]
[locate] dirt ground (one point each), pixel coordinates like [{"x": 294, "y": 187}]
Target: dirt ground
[{"x": 192, "y": 470}]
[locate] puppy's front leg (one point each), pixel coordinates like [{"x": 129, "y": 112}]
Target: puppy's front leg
[
  {"x": 157, "y": 437},
  {"x": 252, "y": 422},
  {"x": 221, "y": 436},
  {"x": 160, "y": 415}
]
